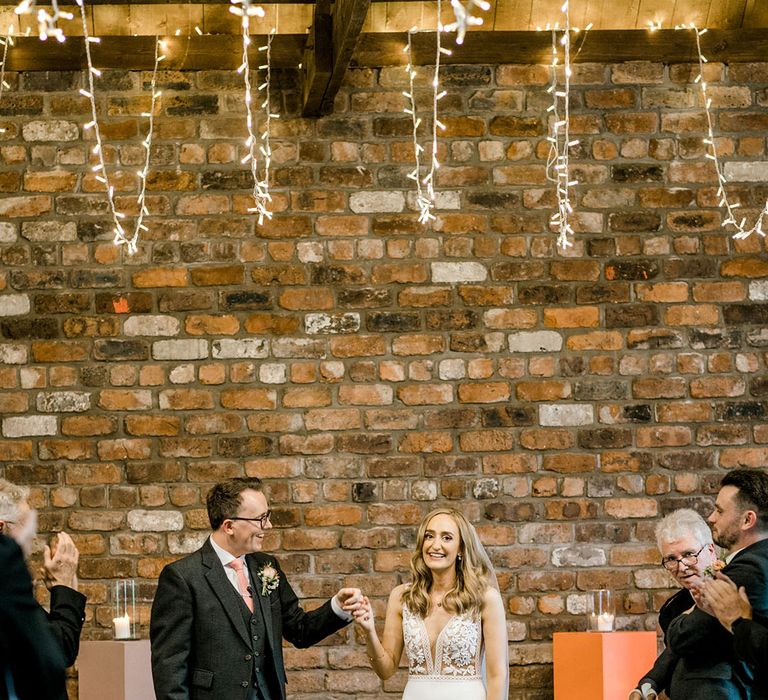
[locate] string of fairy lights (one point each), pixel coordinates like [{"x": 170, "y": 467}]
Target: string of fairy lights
[
  {"x": 256, "y": 145},
  {"x": 425, "y": 186},
  {"x": 423, "y": 201},
  {"x": 732, "y": 217},
  {"x": 258, "y": 151},
  {"x": 147, "y": 144},
  {"x": 6, "y": 42},
  {"x": 121, "y": 237},
  {"x": 558, "y": 164}
]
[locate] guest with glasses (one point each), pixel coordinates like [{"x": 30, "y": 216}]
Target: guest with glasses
[
  {"x": 221, "y": 613},
  {"x": 739, "y": 525},
  {"x": 687, "y": 551}
]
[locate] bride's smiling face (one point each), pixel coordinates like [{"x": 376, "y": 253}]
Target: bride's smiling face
[{"x": 441, "y": 543}]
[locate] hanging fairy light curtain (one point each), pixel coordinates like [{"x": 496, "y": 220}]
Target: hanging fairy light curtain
[
  {"x": 130, "y": 240},
  {"x": 257, "y": 145},
  {"x": 424, "y": 178},
  {"x": 425, "y": 183},
  {"x": 732, "y": 216},
  {"x": 560, "y": 143}
]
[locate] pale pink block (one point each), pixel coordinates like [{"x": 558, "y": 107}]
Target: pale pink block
[{"x": 111, "y": 670}]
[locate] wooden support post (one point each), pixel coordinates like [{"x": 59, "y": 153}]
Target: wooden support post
[
  {"x": 317, "y": 64},
  {"x": 331, "y": 43}
]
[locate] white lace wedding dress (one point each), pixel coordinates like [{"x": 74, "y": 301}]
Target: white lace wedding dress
[{"x": 455, "y": 671}]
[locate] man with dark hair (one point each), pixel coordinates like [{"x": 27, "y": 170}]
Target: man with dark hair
[
  {"x": 697, "y": 637},
  {"x": 220, "y": 614},
  {"x": 31, "y": 660}
]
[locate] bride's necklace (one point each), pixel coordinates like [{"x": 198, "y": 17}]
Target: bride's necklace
[{"x": 439, "y": 603}]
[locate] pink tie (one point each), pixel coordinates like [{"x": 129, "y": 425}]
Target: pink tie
[{"x": 242, "y": 582}]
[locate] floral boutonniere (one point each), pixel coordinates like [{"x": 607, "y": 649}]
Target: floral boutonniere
[
  {"x": 269, "y": 578},
  {"x": 716, "y": 566}
]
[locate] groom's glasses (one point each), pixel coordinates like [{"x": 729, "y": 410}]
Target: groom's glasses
[
  {"x": 261, "y": 520},
  {"x": 688, "y": 559}
]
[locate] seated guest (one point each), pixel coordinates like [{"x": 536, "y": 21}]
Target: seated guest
[
  {"x": 31, "y": 660},
  {"x": 732, "y": 608},
  {"x": 67, "y": 604},
  {"x": 686, "y": 547},
  {"x": 739, "y": 525}
]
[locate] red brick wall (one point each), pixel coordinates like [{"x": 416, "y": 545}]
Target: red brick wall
[{"x": 368, "y": 368}]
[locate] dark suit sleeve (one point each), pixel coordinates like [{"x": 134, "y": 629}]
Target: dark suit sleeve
[
  {"x": 170, "y": 631},
  {"x": 66, "y": 619},
  {"x": 661, "y": 673},
  {"x": 303, "y": 629},
  {"x": 699, "y": 632},
  {"x": 27, "y": 646},
  {"x": 750, "y": 639}
]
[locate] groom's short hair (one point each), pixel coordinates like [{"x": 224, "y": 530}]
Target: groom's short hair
[
  {"x": 225, "y": 498},
  {"x": 752, "y": 493}
]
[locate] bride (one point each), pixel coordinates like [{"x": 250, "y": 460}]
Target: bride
[{"x": 449, "y": 618}]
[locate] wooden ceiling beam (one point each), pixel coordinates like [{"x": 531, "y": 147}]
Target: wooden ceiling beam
[
  {"x": 223, "y": 52},
  {"x": 332, "y": 40}
]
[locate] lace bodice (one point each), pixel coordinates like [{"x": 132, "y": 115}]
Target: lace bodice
[{"x": 458, "y": 647}]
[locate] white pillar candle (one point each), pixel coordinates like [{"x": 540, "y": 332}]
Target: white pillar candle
[
  {"x": 122, "y": 627},
  {"x": 605, "y": 622}
]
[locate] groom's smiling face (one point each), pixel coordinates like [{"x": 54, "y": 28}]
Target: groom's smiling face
[{"x": 246, "y": 536}]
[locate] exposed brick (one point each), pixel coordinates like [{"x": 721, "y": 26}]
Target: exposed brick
[
  {"x": 546, "y": 439},
  {"x": 368, "y": 367}
]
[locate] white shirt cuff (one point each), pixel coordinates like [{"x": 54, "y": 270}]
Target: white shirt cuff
[{"x": 343, "y": 614}]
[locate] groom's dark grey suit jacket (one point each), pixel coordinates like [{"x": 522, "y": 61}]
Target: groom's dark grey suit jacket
[{"x": 203, "y": 646}]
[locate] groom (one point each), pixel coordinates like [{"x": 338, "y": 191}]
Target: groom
[{"x": 220, "y": 614}]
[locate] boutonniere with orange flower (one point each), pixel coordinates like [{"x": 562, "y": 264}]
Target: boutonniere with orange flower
[
  {"x": 269, "y": 578},
  {"x": 713, "y": 568}
]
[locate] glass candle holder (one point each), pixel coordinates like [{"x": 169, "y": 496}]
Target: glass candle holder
[
  {"x": 124, "y": 609},
  {"x": 601, "y": 611}
]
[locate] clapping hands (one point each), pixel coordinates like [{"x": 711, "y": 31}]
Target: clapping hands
[
  {"x": 726, "y": 601},
  {"x": 60, "y": 562}
]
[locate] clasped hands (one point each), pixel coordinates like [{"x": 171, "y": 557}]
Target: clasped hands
[{"x": 352, "y": 601}]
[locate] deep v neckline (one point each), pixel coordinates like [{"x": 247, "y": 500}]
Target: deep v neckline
[{"x": 432, "y": 657}]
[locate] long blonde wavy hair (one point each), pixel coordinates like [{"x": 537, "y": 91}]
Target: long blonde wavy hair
[{"x": 472, "y": 574}]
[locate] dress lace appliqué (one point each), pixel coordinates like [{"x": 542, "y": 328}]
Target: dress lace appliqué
[{"x": 457, "y": 650}]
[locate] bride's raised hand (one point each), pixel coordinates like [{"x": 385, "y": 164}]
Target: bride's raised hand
[{"x": 364, "y": 615}]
